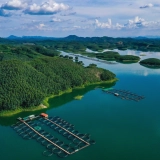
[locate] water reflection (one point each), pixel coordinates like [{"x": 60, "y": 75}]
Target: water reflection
[
  {"x": 54, "y": 102},
  {"x": 120, "y": 68}
]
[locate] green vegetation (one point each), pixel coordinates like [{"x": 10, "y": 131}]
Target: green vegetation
[
  {"x": 31, "y": 68},
  {"x": 127, "y": 59},
  {"x": 79, "y": 97},
  {"x": 56, "y": 102},
  {"x": 151, "y": 62},
  {"x": 28, "y": 48},
  {"x": 115, "y": 56},
  {"x": 8, "y": 113},
  {"x": 109, "y": 55},
  {"x": 26, "y": 83},
  {"x": 30, "y": 52},
  {"x": 76, "y": 44},
  {"x": 25, "y": 52}
]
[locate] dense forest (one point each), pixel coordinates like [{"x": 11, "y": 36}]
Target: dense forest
[
  {"x": 25, "y": 52},
  {"x": 29, "y": 75},
  {"x": 151, "y": 62}
]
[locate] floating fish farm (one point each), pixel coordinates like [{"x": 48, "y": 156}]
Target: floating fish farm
[
  {"x": 123, "y": 94},
  {"x": 32, "y": 127}
]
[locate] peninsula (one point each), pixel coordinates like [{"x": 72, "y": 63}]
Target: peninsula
[{"x": 29, "y": 74}]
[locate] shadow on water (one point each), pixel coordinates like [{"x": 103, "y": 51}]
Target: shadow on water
[
  {"x": 68, "y": 97},
  {"x": 54, "y": 102},
  {"x": 127, "y": 62},
  {"x": 150, "y": 66}
]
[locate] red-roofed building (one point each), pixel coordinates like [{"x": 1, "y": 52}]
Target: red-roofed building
[{"x": 44, "y": 115}]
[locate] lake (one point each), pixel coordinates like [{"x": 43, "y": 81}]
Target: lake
[{"x": 123, "y": 130}]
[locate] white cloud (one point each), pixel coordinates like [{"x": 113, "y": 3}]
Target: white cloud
[
  {"x": 46, "y": 8},
  {"x": 119, "y": 26},
  {"x": 103, "y": 25},
  {"x": 34, "y": 26},
  {"x": 135, "y": 23},
  {"x": 55, "y": 19},
  {"x": 146, "y": 6},
  {"x": 14, "y": 5},
  {"x": 86, "y": 18},
  {"x": 142, "y": 23},
  {"x": 108, "y": 25},
  {"x": 77, "y": 27},
  {"x": 40, "y": 26}
]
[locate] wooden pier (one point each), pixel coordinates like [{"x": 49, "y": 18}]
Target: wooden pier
[
  {"x": 123, "y": 94},
  {"x": 44, "y": 137},
  {"x": 27, "y": 129},
  {"x": 67, "y": 131}
]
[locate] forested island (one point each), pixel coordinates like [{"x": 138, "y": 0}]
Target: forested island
[
  {"x": 151, "y": 63},
  {"x": 29, "y": 74},
  {"x": 115, "y": 56}
]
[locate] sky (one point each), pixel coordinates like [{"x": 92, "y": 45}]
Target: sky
[{"x": 85, "y": 18}]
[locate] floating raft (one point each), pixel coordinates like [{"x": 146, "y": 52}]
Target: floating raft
[
  {"x": 123, "y": 94},
  {"x": 31, "y": 127}
]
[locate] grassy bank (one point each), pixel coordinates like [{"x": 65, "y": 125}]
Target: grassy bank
[
  {"x": 8, "y": 113},
  {"x": 45, "y": 101},
  {"x": 45, "y": 104},
  {"x": 79, "y": 97}
]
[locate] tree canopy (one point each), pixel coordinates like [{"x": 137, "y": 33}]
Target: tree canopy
[
  {"x": 152, "y": 62},
  {"x": 25, "y": 84}
]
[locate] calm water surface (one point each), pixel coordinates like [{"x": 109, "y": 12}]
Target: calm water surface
[{"x": 123, "y": 130}]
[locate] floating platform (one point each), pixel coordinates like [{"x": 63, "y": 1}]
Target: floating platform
[
  {"x": 32, "y": 129},
  {"x": 123, "y": 94}
]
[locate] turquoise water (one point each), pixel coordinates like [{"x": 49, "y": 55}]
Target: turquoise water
[{"x": 123, "y": 130}]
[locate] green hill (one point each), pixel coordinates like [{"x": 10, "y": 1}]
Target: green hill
[{"x": 27, "y": 83}]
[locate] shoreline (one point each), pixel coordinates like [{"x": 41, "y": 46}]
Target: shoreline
[
  {"x": 45, "y": 104},
  {"x": 45, "y": 101},
  {"x": 150, "y": 66}
]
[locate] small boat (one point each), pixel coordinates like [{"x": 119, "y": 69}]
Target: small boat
[
  {"x": 31, "y": 117},
  {"x": 116, "y": 94}
]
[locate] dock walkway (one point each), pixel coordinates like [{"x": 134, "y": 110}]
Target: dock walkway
[
  {"x": 44, "y": 137},
  {"x": 87, "y": 144},
  {"x": 29, "y": 127},
  {"x": 123, "y": 94}
]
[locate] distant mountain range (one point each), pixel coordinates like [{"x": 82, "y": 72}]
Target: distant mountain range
[
  {"x": 71, "y": 37},
  {"x": 148, "y": 37},
  {"x": 12, "y": 37}
]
